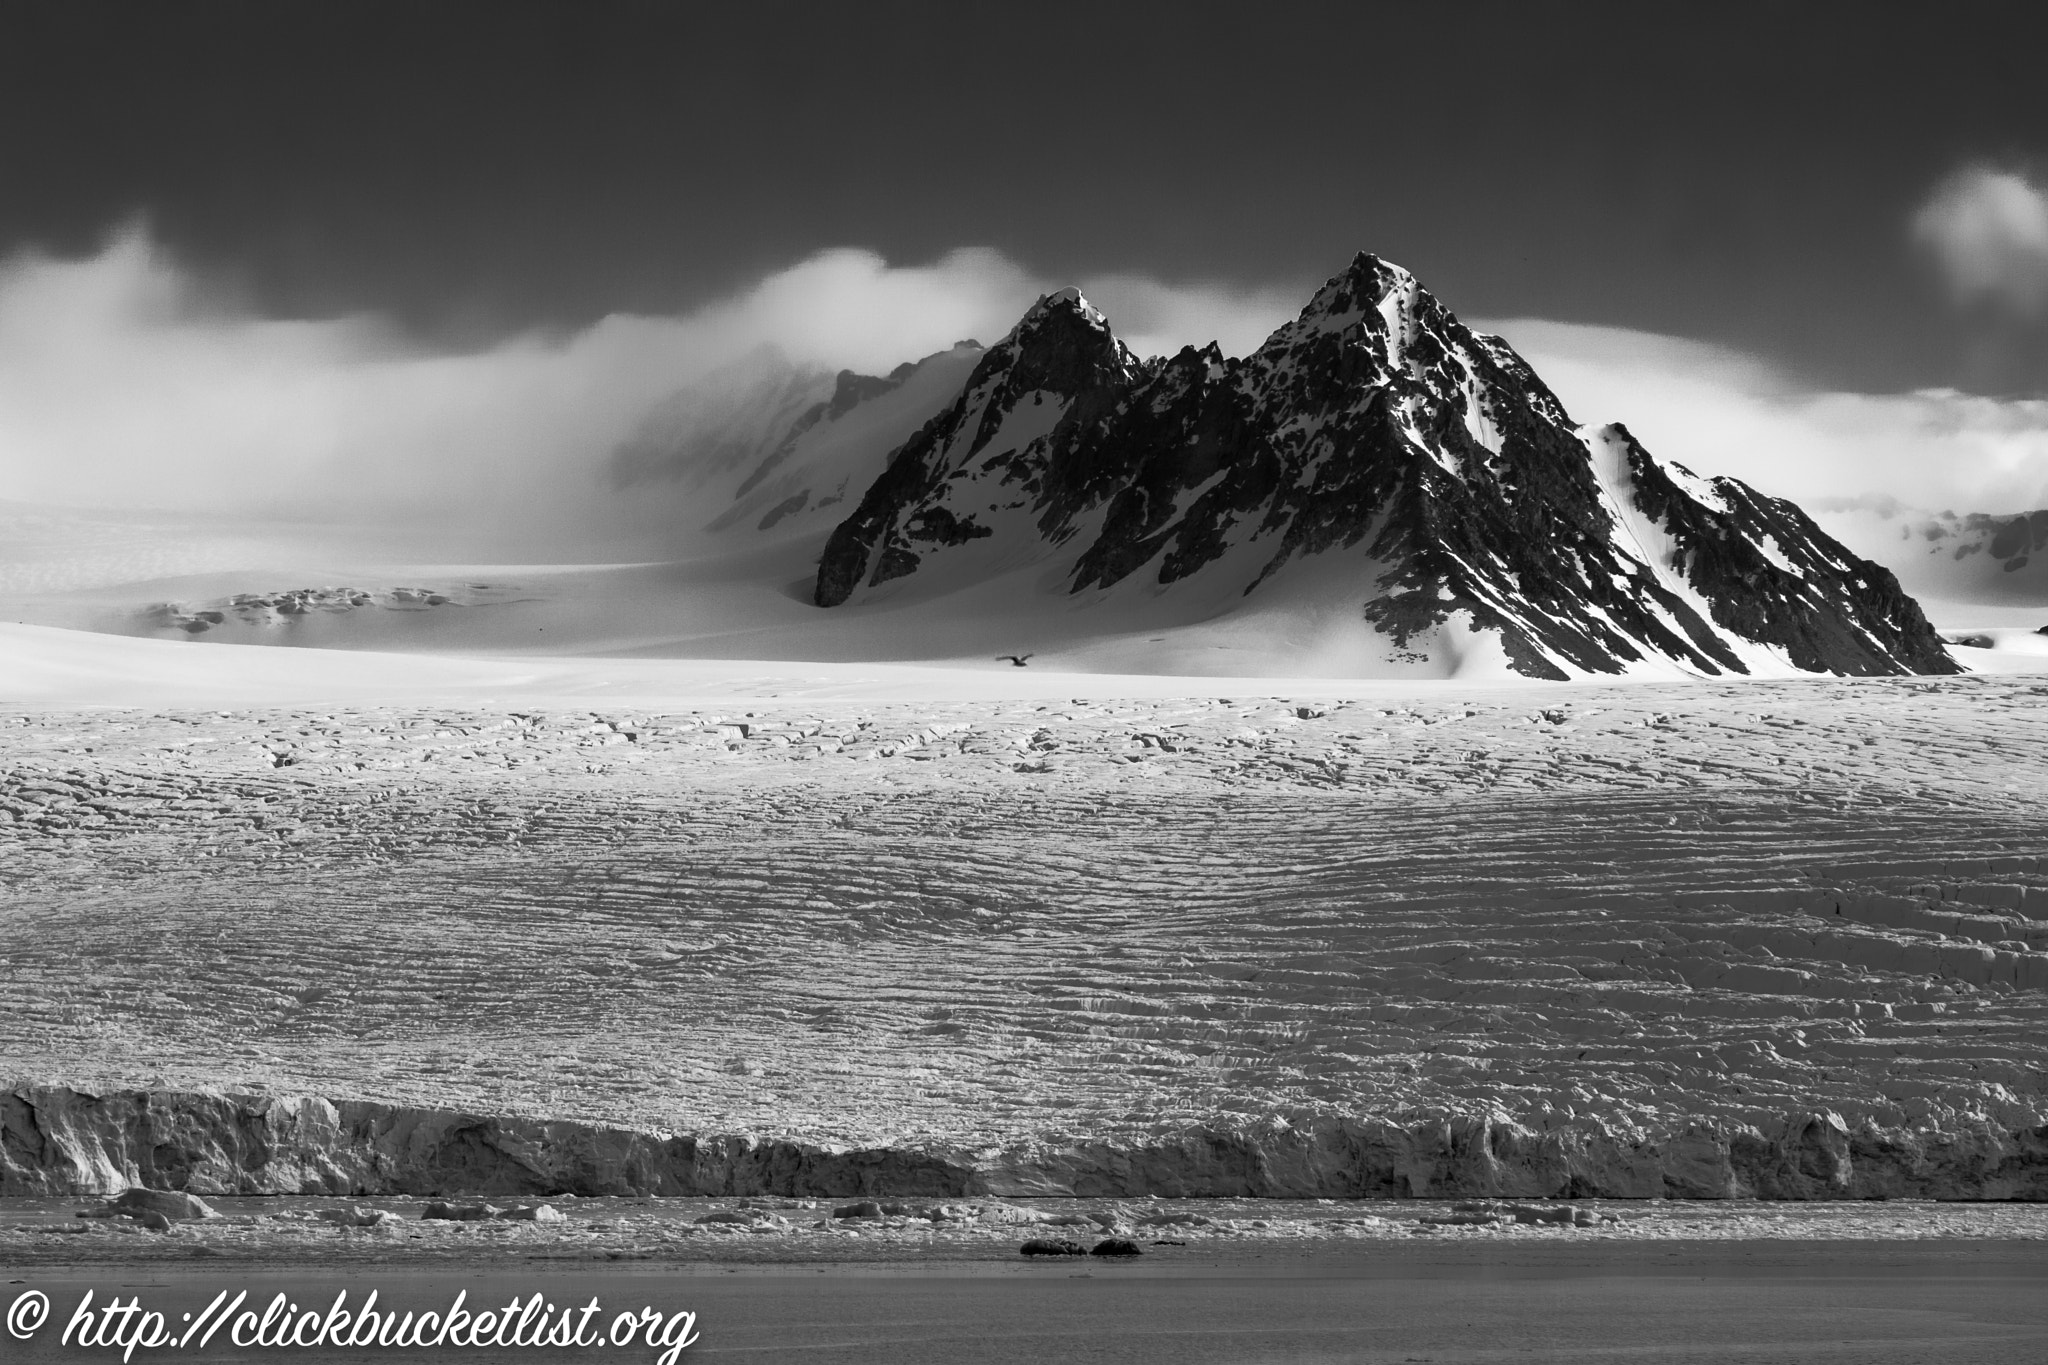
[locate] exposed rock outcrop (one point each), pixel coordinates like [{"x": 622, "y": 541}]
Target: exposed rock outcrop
[
  {"x": 285, "y": 609},
  {"x": 61, "y": 1141}
]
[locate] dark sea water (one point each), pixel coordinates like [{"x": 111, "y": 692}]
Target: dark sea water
[{"x": 1952, "y": 1303}]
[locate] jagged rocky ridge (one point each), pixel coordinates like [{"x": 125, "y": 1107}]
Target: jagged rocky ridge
[
  {"x": 1379, "y": 428},
  {"x": 56, "y": 1140}
]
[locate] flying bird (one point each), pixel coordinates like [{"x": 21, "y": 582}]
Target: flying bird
[{"x": 1017, "y": 659}]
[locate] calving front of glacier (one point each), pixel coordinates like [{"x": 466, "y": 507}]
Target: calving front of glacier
[
  {"x": 62, "y": 1141},
  {"x": 1733, "y": 938}
]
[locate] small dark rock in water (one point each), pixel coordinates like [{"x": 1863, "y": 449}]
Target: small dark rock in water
[
  {"x": 1052, "y": 1246},
  {"x": 459, "y": 1213},
  {"x": 866, "y": 1208},
  {"x": 172, "y": 1204},
  {"x": 1116, "y": 1246},
  {"x": 1167, "y": 1242},
  {"x": 2042, "y": 631}
]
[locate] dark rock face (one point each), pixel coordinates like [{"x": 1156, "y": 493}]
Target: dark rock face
[
  {"x": 59, "y": 1141},
  {"x": 1830, "y": 611},
  {"x": 1377, "y": 426},
  {"x": 1060, "y": 368}
]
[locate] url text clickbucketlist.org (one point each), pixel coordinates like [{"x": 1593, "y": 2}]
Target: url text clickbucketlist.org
[{"x": 129, "y": 1326}]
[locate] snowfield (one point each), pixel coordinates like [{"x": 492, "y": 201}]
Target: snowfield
[{"x": 1017, "y": 915}]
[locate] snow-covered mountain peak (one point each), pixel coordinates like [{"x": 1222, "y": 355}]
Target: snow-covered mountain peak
[
  {"x": 1366, "y": 287},
  {"x": 1062, "y": 346},
  {"x": 1373, "y": 459},
  {"x": 1067, "y": 303}
]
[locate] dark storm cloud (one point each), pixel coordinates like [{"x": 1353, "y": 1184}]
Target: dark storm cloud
[
  {"x": 1734, "y": 173},
  {"x": 457, "y": 249}
]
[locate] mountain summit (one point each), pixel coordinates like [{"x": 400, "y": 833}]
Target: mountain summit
[{"x": 1376, "y": 448}]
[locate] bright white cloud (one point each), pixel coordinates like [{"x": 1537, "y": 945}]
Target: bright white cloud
[
  {"x": 124, "y": 382},
  {"x": 850, "y": 309},
  {"x": 1158, "y": 319},
  {"x": 1988, "y": 231},
  {"x": 1721, "y": 412}
]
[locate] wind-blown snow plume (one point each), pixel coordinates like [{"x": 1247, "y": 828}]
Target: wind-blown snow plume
[{"x": 1988, "y": 231}]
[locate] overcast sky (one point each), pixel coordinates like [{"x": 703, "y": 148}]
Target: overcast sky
[
  {"x": 1738, "y": 174},
  {"x": 1820, "y": 194}
]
